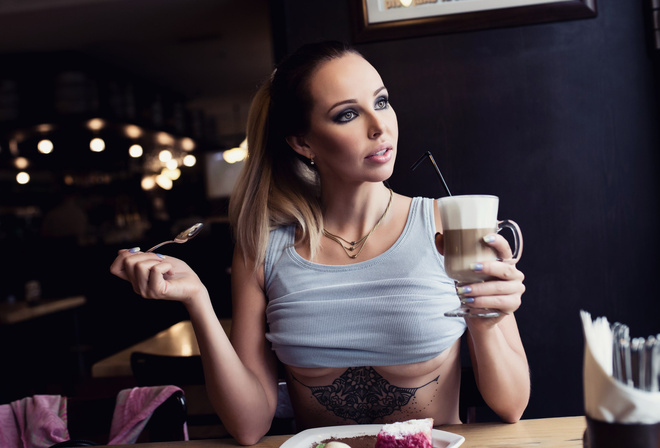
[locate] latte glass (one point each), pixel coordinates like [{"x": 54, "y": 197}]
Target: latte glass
[{"x": 465, "y": 221}]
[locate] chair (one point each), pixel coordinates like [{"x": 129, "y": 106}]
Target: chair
[
  {"x": 470, "y": 400},
  {"x": 187, "y": 373},
  {"x": 89, "y": 421},
  {"x": 471, "y": 405}
]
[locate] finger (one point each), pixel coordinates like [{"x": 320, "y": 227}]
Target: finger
[
  {"x": 157, "y": 286},
  {"x": 117, "y": 266},
  {"x": 140, "y": 275},
  {"x": 503, "y": 304},
  {"x": 491, "y": 288},
  {"x": 500, "y": 245},
  {"x": 502, "y": 270}
]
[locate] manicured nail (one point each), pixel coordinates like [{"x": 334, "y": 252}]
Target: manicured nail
[
  {"x": 161, "y": 256},
  {"x": 467, "y": 300},
  {"x": 463, "y": 290},
  {"x": 477, "y": 266},
  {"x": 134, "y": 249},
  {"x": 489, "y": 238}
]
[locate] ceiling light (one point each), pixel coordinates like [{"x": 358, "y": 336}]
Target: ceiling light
[
  {"x": 97, "y": 144},
  {"x": 135, "y": 151},
  {"x": 148, "y": 182},
  {"x": 164, "y": 138},
  {"x": 164, "y": 182},
  {"x": 45, "y": 146},
  {"x": 95, "y": 124},
  {"x": 234, "y": 155},
  {"x": 45, "y": 127},
  {"x": 188, "y": 144},
  {"x": 165, "y": 155},
  {"x": 173, "y": 174},
  {"x": 132, "y": 131},
  {"x": 22, "y": 178},
  {"x": 21, "y": 163},
  {"x": 189, "y": 160}
]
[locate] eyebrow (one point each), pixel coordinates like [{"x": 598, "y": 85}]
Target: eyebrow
[{"x": 352, "y": 100}]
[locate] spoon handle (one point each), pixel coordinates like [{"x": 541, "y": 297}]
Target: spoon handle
[{"x": 158, "y": 245}]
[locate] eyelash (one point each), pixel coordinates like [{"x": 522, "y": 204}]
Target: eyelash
[{"x": 342, "y": 117}]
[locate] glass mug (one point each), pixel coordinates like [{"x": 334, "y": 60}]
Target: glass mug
[{"x": 465, "y": 221}]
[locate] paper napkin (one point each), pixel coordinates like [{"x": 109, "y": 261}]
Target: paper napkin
[{"x": 605, "y": 398}]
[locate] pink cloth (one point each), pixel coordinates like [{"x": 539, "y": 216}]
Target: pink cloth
[
  {"x": 33, "y": 422},
  {"x": 41, "y": 421},
  {"x": 133, "y": 410}
]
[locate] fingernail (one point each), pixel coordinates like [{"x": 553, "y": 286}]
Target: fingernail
[
  {"x": 134, "y": 249},
  {"x": 467, "y": 300},
  {"x": 476, "y": 266},
  {"x": 463, "y": 290},
  {"x": 489, "y": 238},
  {"x": 161, "y": 256}
]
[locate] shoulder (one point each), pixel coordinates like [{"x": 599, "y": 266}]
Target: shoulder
[{"x": 422, "y": 205}]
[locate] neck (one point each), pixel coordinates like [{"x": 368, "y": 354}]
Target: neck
[{"x": 352, "y": 215}]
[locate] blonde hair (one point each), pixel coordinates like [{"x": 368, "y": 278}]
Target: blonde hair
[{"x": 276, "y": 186}]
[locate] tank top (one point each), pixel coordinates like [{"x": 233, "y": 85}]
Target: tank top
[{"x": 388, "y": 310}]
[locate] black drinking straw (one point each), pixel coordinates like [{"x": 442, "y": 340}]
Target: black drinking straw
[{"x": 435, "y": 165}]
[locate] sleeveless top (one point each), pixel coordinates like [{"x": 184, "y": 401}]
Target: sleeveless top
[{"x": 385, "y": 311}]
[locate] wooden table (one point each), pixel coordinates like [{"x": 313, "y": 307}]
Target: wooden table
[
  {"x": 12, "y": 313},
  {"x": 177, "y": 340},
  {"x": 562, "y": 432}
]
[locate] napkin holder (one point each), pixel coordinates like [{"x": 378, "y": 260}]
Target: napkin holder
[
  {"x": 617, "y": 415},
  {"x": 600, "y": 434}
]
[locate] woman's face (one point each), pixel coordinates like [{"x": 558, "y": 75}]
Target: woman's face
[{"x": 353, "y": 129}]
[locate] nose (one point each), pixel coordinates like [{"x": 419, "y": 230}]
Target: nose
[{"x": 376, "y": 126}]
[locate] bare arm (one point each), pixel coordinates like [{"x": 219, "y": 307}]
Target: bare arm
[
  {"x": 500, "y": 367},
  {"x": 497, "y": 352},
  {"x": 241, "y": 379}
]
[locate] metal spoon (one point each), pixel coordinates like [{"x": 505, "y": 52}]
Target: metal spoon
[{"x": 181, "y": 237}]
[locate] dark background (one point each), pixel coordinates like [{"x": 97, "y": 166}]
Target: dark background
[{"x": 560, "y": 120}]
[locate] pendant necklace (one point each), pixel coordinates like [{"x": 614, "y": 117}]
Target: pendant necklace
[{"x": 360, "y": 243}]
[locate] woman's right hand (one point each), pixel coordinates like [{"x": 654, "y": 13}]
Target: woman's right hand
[{"x": 155, "y": 276}]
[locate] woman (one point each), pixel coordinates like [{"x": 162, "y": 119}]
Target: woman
[{"x": 334, "y": 274}]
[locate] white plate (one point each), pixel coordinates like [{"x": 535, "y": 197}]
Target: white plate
[{"x": 308, "y": 437}]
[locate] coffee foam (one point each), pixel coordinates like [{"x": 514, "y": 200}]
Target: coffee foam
[{"x": 468, "y": 211}]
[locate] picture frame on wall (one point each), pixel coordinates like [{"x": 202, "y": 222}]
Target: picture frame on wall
[{"x": 397, "y": 19}]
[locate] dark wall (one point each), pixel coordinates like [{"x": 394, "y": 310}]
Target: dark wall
[{"x": 560, "y": 120}]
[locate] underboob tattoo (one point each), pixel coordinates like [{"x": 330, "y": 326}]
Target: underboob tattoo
[{"x": 362, "y": 395}]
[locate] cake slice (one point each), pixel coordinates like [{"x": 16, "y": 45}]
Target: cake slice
[{"x": 415, "y": 433}]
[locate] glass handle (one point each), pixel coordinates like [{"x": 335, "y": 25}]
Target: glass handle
[{"x": 517, "y": 236}]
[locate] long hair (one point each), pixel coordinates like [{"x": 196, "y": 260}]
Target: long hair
[{"x": 276, "y": 186}]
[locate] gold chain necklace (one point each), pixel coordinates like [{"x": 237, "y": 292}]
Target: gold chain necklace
[{"x": 352, "y": 245}]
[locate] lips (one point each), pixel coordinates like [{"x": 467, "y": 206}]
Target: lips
[{"x": 380, "y": 151}]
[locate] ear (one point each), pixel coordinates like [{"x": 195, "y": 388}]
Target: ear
[{"x": 299, "y": 145}]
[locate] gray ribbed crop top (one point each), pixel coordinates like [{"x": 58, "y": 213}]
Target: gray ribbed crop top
[{"x": 385, "y": 311}]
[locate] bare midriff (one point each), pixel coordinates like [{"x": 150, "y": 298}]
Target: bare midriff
[{"x": 381, "y": 394}]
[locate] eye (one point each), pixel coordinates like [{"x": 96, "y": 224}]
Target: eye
[
  {"x": 345, "y": 116},
  {"x": 382, "y": 103}
]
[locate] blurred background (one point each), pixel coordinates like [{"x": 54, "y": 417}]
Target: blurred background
[{"x": 559, "y": 118}]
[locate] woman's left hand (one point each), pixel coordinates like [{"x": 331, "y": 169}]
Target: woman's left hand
[{"x": 505, "y": 290}]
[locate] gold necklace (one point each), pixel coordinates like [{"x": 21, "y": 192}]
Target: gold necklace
[{"x": 352, "y": 245}]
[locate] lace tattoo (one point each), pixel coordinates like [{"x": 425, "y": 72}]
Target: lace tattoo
[{"x": 361, "y": 394}]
